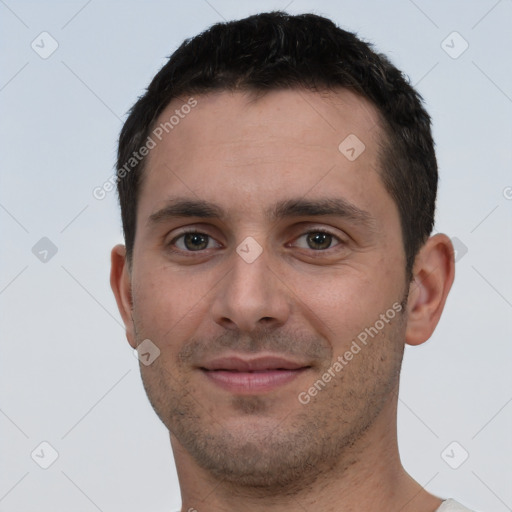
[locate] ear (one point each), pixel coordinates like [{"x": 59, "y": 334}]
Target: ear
[
  {"x": 120, "y": 282},
  {"x": 433, "y": 274}
]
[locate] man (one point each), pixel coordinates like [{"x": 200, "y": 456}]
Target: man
[{"x": 277, "y": 184}]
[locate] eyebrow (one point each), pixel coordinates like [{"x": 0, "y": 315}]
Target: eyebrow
[
  {"x": 298, "y": 207},
  {"x": 337, "y": 207},
  {"x": 183, "y": 207}
]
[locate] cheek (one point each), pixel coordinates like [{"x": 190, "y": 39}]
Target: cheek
[
  {"x": 342, "y": 304},
  {"x": 166, "y": 305}
]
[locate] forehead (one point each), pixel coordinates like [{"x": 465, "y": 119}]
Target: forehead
[
  {"x": 243, "y": 148},
  {"x": 323, "y": 118}
]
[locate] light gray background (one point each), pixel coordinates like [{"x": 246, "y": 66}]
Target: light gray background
[{"x": 68, "y": 376}]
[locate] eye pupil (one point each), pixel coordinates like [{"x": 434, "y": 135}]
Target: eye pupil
[
  {"x": 195, "y": 241},
  {"x": 319, "y": 238}
]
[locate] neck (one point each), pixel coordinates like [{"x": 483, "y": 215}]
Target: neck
[{"x": 370, "y": 476}]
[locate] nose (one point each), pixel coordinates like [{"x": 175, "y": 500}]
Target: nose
[{"x": 251, "y": 296}]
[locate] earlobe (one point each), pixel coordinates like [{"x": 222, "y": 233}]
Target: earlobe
[
  {"x": 120, "y": 282},
  {"x": 433, "y": 275}
]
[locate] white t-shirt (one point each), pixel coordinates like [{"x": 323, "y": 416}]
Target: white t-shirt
[{"x": 452, "y": 506}]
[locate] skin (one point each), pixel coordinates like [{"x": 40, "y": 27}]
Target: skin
[{"x": 304, "y": 300}]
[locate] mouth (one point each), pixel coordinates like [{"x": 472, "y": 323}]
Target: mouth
[{"x": 243, "y": 376}]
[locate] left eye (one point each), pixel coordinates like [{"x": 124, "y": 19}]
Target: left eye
[{"x": 318, "y": 240}]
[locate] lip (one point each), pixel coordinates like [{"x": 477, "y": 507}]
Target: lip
[
  {"x": 258, "y": 375},
  {"x": 241, "y": 364}
]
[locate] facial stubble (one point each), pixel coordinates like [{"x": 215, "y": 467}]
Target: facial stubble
[{"x": 269, "y": 454}]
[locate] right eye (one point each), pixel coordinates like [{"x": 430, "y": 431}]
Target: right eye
[{"x": 193, "y": 241}]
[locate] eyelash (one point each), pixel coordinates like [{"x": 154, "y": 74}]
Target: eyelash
[{"x": 192, "y": 231}]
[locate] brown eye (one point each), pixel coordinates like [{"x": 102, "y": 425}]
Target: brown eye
[
  {"x": 318, "y": 240},
  {"x": 193, "y": 241}
]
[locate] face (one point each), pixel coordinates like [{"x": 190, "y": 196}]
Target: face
[{"x": 265, "y": 253}]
